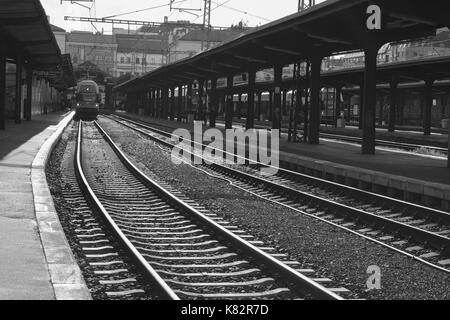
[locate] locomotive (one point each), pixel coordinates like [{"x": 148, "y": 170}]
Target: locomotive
[{"x": 87, "y": 100}]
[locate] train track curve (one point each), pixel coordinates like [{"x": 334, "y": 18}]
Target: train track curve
[
  {"x": 419, "y": 232},
  {"x": 186, "y": 253}
]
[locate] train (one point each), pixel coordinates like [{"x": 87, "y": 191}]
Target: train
[{"x": 88, "y": 99}]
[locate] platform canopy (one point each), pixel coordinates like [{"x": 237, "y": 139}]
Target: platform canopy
[
  {"x": 62, "y": 77},
  {"x": 330, "y": 27},
  {"x": 24, "y": 29}
]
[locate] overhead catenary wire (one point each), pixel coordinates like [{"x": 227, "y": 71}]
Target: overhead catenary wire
[
  {"x": 216, "y": 7},
  {"x": 145, "y": 9},
  {"x": 243, "y": 12}
]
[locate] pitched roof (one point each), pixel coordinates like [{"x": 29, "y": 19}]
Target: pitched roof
[
  {"x": 140, "y": 43},
  {"x": 212, "y": 35},
  {"x": 88, "y": 37},
  {"x": 56, "y": 28},
  {"x": 26, "y": 28}
]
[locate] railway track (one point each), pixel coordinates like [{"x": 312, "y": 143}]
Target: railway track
[
  {"x": 419, "y": 232},
  {"x": 108, "y": 272},
  {"x": 184, "y": 251}
]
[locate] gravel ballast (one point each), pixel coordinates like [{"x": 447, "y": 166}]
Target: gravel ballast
[
  {"x": 58, "y": 166},
  {"x": 334, "y": 253}
]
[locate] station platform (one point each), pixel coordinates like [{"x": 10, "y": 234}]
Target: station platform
[
  {"x": 36, "y": 262},
  {"x": 415, "y": 177}
]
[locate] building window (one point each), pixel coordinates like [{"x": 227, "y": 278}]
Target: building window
[
  {"x": 122, "y": 60},
  {"x": 128, "y": 60},
  {"x": 144, "y": 61},
  {"x": 137, "y": 61}
]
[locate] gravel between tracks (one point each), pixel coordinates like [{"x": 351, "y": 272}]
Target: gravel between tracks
[
  {"x": 60, "y": 158},
  {"x": 330, "y": 251}
]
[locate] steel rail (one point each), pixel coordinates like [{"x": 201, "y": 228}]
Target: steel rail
[
  {"x": 419, "y": 210},
  {"x": 344, "y": 138},
  {"x": 302, "y": 283},
  {"x": 148, "y": 270},
  {"x": 432, "y": 239}
]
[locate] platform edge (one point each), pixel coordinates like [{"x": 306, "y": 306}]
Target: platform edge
[{"x": 65, "y": 275}]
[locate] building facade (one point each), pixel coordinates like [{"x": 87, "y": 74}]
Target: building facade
[
  {"x": 60, "y": 36},
  {"x": 138, "y": 54},
  {"x": 97, "y": 48},
  {"x": 185, "y": 44}
]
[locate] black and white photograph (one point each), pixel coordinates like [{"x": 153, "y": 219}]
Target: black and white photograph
[{"x": 225, "y": 159}]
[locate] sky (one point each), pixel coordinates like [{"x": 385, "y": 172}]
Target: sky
[{"x": 224, "y": 13}]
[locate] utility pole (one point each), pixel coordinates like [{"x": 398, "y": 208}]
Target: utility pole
[
  {"x": 305, "y": 4},
  {"x": 206, "y": 21},
  {"x": 207, "y": 14}
]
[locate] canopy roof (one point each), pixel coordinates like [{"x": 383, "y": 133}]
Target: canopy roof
[
  {"x": 330, "y": 27},
  {"x": 26, "y": 29}
]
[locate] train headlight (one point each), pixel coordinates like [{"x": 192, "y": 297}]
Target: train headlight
[
  {"x": 96, "y": 105},
  {"x": 78, "y": 104}
]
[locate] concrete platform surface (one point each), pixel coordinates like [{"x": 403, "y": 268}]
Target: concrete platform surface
[{"x": 27, "y": 269}]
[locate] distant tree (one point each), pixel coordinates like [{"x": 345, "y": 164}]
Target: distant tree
[
  {"x": 91, "y": 70},
  {"x": 240, "y": 25}
]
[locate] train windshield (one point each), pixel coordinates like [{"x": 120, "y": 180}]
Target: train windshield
[{"x": 87, "y": 93}]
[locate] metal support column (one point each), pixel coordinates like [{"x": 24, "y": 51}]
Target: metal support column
[
  {"x": 338, "y": 92},
  {"x": 172, "y": 104},
  {"x": 158, "y": 103},
  {"x": 284, "y": 111},
  {"x": 258, "y": 108},
  {"x": 145, "y": 102},
  {"x": 201, "y": 103},
  {"x": 428, "y": 107},
  {"x": 270, "y": 108},
  {"x": 307, "y": 97},
  {"x": 189, "y": 99},
  {"x": 179, "y": 103},
  {"x": 380, "y": 100},
  {"x": 298, "y": 101},
  {"x": 251, "y": 99},
  {"x": 276, "y": 116},
  {"x": 314, "y": 115},
  {"x": 152, "y": 103},
  {"x": 149, "y": 102},
  {"x": 239, "y": 105},
  {"x": 213, "y": 104},
  {"x": 29, "y": 93},
  {"x": 369, "y": 100},
  {"x": 165, "y": 104},
  {"x": 229, "y": 103},
  {"x": 18, "y": 104},
  {"x": 2, "y": 86},
  {"x": 361, "y": 106},
  {"x": 393, "y": 105}
]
